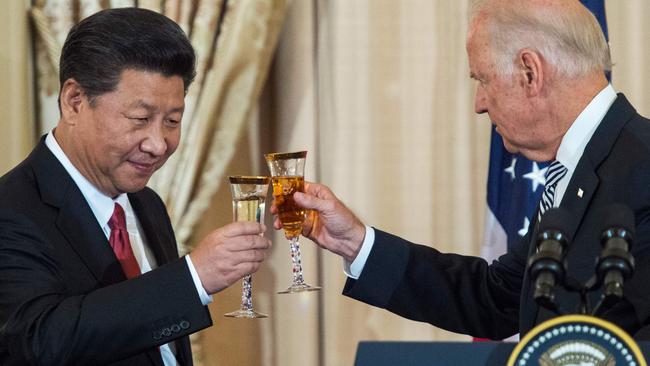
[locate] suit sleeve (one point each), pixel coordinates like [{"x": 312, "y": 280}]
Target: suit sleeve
[
  {"x": 461, "y": 294},
  {"x": 41, "y": 323}
]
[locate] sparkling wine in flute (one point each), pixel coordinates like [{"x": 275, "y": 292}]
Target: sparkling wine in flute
[
  {"x": 287, "y": 176},
  {"x": 249, "y": 208},
  {"x": 248, "y": 203}
]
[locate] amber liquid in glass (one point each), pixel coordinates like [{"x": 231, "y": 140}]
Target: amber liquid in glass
[{"x": 291, "y": 215}]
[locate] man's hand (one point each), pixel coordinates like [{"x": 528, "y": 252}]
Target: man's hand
[
  {"x": 329, "y": 222},
  {"x": 230, "y": 253}
]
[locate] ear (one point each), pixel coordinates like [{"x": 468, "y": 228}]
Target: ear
[
  {"x": 531, "y": 67},
  {"x": 71, "y": 100}
]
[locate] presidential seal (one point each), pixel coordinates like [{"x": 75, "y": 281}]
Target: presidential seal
[{"x": 577, "y": 340}]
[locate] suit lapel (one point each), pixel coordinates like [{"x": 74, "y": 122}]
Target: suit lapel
[
  {"x": 578, "y": 194},
  {"x": 585, "y": 180},
  {"x": 78, "y": 224},
  {"x": 75, "y": 219},
  {"x": 152, "y": 226}
]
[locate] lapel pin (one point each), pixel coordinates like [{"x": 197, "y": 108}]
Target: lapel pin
[{"x": 580, "y": 192}]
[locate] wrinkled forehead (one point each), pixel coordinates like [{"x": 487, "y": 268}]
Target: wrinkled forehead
[
  {"x": 478, "y": 25},
  {"x": 477, "y": 30},
  {"x": 479, "y": 51},
  {"x": 478, "y": 40}
]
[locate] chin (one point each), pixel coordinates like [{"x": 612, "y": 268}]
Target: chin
[
  {"x": 509, "y": 148},
  {"x": 132, "y": 187}
]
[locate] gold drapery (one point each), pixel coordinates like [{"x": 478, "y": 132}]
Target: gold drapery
[{"x": 17, "y": 127}]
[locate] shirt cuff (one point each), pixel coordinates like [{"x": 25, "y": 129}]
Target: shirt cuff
[
  {"x": 203, "y": 295},
  {"x": 354, "y": 269}
]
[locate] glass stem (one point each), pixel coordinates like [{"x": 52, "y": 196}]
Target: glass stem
[
  {"x": 246, "y": 293},
  {"x": 296, "y": 261}
]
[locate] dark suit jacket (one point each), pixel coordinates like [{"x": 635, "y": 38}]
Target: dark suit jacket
[
  {"x": 467, "y": 295},
  {"x": 64, "y": 299}
]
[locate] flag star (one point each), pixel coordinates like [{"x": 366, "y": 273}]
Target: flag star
[
  {"x": 537, "y": 176},
  {"x": 511, "y": 169},
  {"x": 524, "y": 230}
]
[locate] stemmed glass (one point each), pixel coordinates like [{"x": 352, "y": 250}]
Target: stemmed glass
[
  {"x": 248, "y": 202},
  {"x": 287, "y": 176}
]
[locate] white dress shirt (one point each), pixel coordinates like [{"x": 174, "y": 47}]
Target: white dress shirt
[
  {"x": 576, "y": 138},
  {"x": 569, "y": 153},
  {"x": 102, "y": 207}
]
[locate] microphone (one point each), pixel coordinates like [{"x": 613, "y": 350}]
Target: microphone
[
  {"x": 547, "y": 267},
  {"x": 615, "y": 264}
]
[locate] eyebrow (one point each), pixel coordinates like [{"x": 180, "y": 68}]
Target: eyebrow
[{"x": 476, "y": 77}]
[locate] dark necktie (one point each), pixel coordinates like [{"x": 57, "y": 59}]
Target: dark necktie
[
  {"x": 119, "y": 240},
  {"x": 556, "y": 171}
]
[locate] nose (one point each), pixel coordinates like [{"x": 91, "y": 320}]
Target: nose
[
  {"x": 480, "y": 106},
  {"x": 155, "y": 142}
]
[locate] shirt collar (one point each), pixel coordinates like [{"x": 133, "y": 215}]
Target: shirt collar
[
  {"x": 576, "y": 138},
  {"x": 101, "y": 204}
]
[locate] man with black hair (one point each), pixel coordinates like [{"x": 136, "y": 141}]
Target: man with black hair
[{"x": 89, "y": 268}]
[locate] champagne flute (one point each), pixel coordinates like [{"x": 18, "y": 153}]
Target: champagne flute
[
  {"x": 287, "y": 176},
  {"x": 248, "y": 202}
]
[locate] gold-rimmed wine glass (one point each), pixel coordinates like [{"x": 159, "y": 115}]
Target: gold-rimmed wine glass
[
  {"x": 287, "y": 177},
  {"x": 248, "y": 203}
]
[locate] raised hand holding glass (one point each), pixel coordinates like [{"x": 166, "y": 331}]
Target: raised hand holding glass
[
  {"x": 248, "y": 203},
  {"x": 287, "y": 171}
]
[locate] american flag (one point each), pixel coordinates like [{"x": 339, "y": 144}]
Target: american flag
[{"x": 515, "y": 184}]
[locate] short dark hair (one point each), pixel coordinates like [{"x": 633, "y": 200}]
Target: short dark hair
[{"x": 106, "y": 43}]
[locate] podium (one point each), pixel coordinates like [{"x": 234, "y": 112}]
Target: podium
[
  {"x": 441, "y": 353},
  {"x": 433, "y": 353}
]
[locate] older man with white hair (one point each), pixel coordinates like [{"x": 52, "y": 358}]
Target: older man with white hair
[{"x": 540, "y": 67}]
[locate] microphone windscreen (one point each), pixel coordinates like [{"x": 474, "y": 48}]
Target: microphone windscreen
[
  {"x": 617, "y": 216},
  {"x": 557, "y": 219}
]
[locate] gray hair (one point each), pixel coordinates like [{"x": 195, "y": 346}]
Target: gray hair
[{"x": 571, "y": 41}]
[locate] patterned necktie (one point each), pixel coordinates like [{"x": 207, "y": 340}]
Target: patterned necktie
[
  {"x": 556, "y": 171},
  {"x": 119, "y": 240}
]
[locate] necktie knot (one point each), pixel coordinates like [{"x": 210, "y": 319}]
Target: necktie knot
[
  {"x": 118, "y": 219},
  {"x": 121, "y": 244},
  {"x": 555, "y": 172}
]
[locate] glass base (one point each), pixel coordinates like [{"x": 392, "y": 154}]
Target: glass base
[
  {"x": 251, "y": 314},
  {"x": 303, "y": 287}
]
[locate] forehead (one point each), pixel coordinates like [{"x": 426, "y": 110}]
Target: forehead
[
  {"x": 477, "y": 58},
  {"x": 143, "y": 80},
  {"x": 477, "y": 34},
  {"x": 477, "y": 44},
  {"x": 148, "y": 87}
]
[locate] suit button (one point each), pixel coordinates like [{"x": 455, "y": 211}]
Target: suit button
[{"x": 184, "y": 324}]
